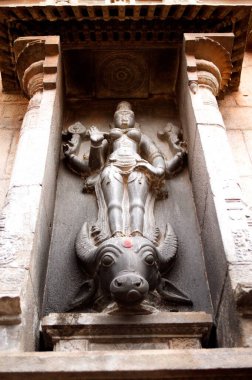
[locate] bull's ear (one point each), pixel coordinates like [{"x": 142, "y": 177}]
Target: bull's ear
[
  {"x": 167, "y": 251},
  {"x": 171, "y": 293},
  {"x": 86, "y": 250},
  {"x": 84, "y": 294}
]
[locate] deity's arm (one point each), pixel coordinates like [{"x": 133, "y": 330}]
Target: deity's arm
[
  {"x": 70, "y": 150},
  {"x": 150, "y": 152},
  {"x": 98, "y": 149}
]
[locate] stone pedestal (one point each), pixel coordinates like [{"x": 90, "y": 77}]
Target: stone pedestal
[{"x": 101, "y": 332}]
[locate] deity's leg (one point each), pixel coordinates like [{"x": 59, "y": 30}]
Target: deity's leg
[
  {"x": 113, "y": 194},
  {"x": 138, "y": 190}
]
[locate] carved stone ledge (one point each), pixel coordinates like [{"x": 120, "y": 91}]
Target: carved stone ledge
[
  {"x": 92, "y": 332},
  {"x": 221, "y": 363}
]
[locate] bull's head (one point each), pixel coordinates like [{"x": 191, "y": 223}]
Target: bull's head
[{"x": 127, "y": 267}]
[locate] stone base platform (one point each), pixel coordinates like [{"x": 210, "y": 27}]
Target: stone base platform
[
  {"x": 103, "y": 332},
  {"x": 212, "y": 364}
]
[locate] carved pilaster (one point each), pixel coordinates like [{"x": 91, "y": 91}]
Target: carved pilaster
[
  {"x": 209, "y": 65},
  {"x": 27, "y": 214},
  {"x": 225, "y": 231},
  {"x": 209, "y": 70},
  {"x": 29, "y": 64}
]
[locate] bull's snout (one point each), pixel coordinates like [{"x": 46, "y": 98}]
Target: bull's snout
[{"x": 129, "y": 288}]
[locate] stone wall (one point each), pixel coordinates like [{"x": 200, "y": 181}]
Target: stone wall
[
  {"x": 236, "y": 109},
  {"x": 12, "y": 110}
]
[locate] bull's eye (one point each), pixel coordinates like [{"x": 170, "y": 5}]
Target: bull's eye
[
  {"x": 107, "y": 261},
  {"x": 150, "y": 259}
]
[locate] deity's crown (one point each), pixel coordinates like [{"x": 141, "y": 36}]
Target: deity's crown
[{"x": 124, "y": 106}]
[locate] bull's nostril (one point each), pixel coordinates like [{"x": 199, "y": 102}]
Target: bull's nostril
[
  {"x": 138, "y": 283},
  {"x": 118, "y": 283}
]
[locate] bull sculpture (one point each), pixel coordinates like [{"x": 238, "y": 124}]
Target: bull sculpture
[{"x": 124, "y": 254}]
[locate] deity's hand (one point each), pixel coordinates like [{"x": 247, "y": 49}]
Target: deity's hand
[
  {"x": 176, "y": 162},
  {"x": 96, "y": 136},
  {"x": 146, "y": 166},
  {"x": 67, "y": 149}
]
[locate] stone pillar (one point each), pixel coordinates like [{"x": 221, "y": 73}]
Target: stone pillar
[
  {"x": 205, "y": 72},
  {"x": 26, "y": 218}
]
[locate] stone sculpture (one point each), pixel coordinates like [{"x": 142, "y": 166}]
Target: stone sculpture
[{"x": 124, "y": 254}]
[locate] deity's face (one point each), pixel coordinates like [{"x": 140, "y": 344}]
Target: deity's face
[{"x": 124, "y": 119}]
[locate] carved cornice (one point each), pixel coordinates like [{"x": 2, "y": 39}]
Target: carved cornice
[
  {"x": 36, "y": 63},
  {"x": 32, "y": 81},
  {"x": 30, "y": 67},
  {"x": 212, "y": 58},
  {"x": 102, "y": 327},
  {"x": 89, "y": 25},
  {"x": 208, "y": 64}
]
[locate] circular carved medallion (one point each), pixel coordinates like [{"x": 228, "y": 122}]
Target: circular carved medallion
[{"x": 122, "y": 75}]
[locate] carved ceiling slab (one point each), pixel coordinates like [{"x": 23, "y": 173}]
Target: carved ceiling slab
[
  {"x": 114, "y": 73},
  {"x": 101, "y": 25}
]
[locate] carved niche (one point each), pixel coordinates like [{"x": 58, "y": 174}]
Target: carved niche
[{"x": 124, "y": 254}]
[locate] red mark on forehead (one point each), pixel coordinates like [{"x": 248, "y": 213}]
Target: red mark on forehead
[{"x": 127, "y": 243}]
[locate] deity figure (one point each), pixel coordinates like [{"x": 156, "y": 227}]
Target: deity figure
[{"x": 124, "y": 253}]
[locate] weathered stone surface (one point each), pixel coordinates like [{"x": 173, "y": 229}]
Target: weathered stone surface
[
  {"x": 246, "y": 328},
  {"x": 10, "y": 337},
  {"x": 241, "y": 152},
  {"x": 159, "y": 364},
  {"x": 5, "y": 146},
  {"x": 18, "y": 221},
  {"x": 12, "y": 109},
  {"x": 213, "y": 250},
  {"x": 241, "y": 275},
  {"x": 240, "y": 117},
  {"x": 184, "y": 343},
  {"x": 10, "y": 285},
  {"x": 199, "y": 170},
  {"x": 186, "y": 113},
  {"x": 248, "y": 142},
  {"x": 228, "y": 330},
  {"x": 105, "y": 332}
]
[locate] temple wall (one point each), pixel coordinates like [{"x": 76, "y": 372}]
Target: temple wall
[
  {"x": 236, "y": 109},
  {"x": 12, "y": 110}
]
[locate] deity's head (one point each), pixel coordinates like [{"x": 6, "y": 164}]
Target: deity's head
[{"x": 124, "y": 117}]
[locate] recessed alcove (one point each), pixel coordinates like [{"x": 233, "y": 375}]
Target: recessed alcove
[
  {"x": 145, "y": 54},
  {"x": 95, "y": 81},
  {"x": 73, "y": 208}
]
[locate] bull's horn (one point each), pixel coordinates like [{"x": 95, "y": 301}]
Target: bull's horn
[
  {"x": 86, "y": 250},
  {"x": 167, "y": 250}
]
